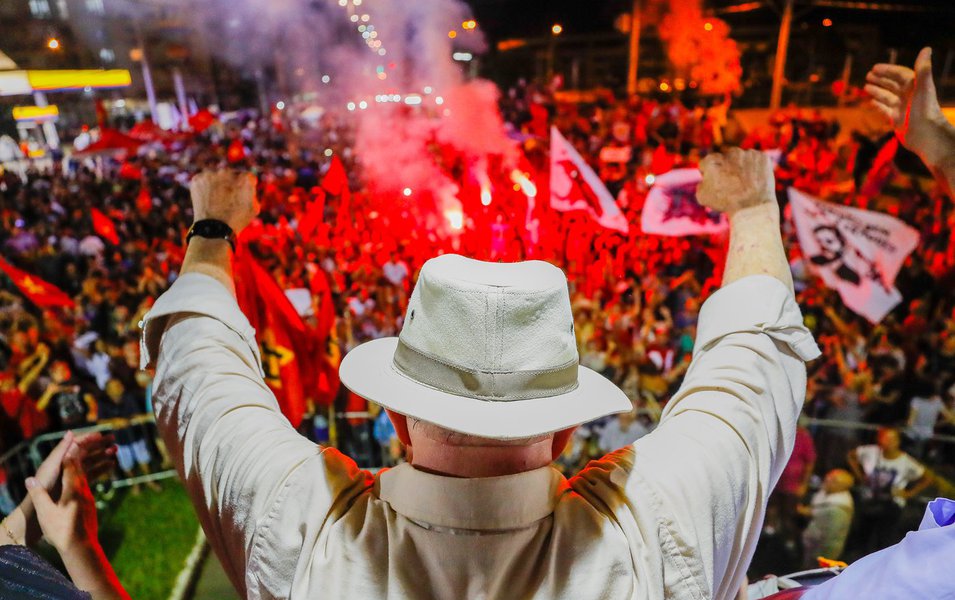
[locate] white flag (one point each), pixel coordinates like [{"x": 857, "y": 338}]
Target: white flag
[
  {"x": 856, "y": 252},
  {"x": 671, "y": 207},
  {"x": 575, "y": 186}
]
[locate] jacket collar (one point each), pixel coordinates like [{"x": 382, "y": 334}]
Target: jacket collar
[{"x": 489, "y": 503}]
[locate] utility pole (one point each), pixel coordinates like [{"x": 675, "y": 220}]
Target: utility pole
[
  {"x": 147, "y": 73},
  {"x": 782, "y": 47},
  {"x": 634, "y": 48}
]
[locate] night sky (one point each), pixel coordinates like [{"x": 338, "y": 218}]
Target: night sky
[{"x": 503, "y": 19}]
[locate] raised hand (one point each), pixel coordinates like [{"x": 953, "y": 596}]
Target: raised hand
[
  {"x": 227, "y": 196},
  {"x": 70, "y": 521},
  {"x": 909, "y": 100},
  {"x": 736, "y": 180}
]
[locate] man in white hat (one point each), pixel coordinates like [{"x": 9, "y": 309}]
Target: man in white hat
[{"x": 484, "y": 388}]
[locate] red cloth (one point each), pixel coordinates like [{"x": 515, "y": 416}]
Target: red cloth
[
  {"x": 104, "y": 226},
  {"x": 236, "y": 152},
  {"x": 335, "y": 183},
  {"x": 19, "y": 407},
  {"x": 111, "y": 141},
  {"x": 201, "y": 121},
  {"x": 39, "y": 292},
  {"x": 294, "y": 360},
  {"x": 313, "y": 216},
  {"x": 144, "y": 201},
  {"x": 803, "y": 456}
]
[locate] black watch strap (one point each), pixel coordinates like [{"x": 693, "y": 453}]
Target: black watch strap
[{"x": 212, "y": 229}]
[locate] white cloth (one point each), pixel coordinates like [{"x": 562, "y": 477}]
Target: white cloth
[
  {"x": 676, "y": 515},
  {"x": 927, "y": 411},
  {"x": 883, "y": 474},
  {"x": 613, "y": 436}
]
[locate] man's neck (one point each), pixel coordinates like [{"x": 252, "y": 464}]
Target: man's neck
[{"x": 479, "y": 461}]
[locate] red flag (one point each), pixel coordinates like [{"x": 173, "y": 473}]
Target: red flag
[
  {"x": 335, "y": 181},
  {"x": 313, "y": 216},
  {"x": 130, "y": 171},
  {"x": 40, "y": 292},
  {"x": 144, "y": 201},
  {"x": 293, "y": 358},
  {"x": 104, "y": 227},
  {"x": 236, "y": 152},
  {"x": 201, "y": 121}
]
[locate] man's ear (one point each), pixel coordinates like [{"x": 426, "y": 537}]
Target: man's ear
[
  {"x": 560, "y": 441},
  {"x": 401, "y": 426}
]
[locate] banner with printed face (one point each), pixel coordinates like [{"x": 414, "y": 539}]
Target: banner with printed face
[
  {"x": 575, "y": 186},
  {"x": 671, "y": 207},
  {"x": 856, "y": 252}
]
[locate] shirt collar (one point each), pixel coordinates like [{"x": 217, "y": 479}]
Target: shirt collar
[{"x": 487, "y": 503}]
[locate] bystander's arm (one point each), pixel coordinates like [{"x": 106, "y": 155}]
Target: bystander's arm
[
  {"x": 909, "y": 99},
  {"x": 853, "y": 460}
]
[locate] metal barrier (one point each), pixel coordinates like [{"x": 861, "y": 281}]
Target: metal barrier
[
  {"x": 25, "y": 458},
  {"x": 833, "y": 439}
]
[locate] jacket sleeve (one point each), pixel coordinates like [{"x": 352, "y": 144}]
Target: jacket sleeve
[
  {"x": 724, "y": 438},
  {"x": 232, "y": 446}
]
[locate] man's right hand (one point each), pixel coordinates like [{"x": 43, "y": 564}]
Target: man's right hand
[
  {"x": 736, "y": 180},
  {"x": 909, "y": 100}
]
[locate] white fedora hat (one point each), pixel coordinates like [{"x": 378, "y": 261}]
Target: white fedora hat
[{"x": 486, "y": 349}]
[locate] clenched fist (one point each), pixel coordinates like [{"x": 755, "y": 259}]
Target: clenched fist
[
  {"x": 227, "y": 196},
  {"x": 736, "y": 180}
]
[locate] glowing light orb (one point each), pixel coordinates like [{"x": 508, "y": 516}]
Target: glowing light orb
[
  {"x": 328, "y": 152},
  {"x": 350, "y": 106},
  {"x": 326, "y": 78},
  {"x": 363, "y": 105},
  {"x": 557, "y": 29},
  {"x": 280, "y": 105},
  {"x": 406, "y": 192},
  {"x": 650, "y": 178}
]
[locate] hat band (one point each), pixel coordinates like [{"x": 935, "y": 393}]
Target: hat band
[{"x": 484, "y": 385}]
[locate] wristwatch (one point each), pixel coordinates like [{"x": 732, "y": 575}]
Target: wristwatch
[{"x": 212, "y": 229}]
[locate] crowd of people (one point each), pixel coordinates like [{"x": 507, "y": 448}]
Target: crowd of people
[{"x": 636, "y": 297}]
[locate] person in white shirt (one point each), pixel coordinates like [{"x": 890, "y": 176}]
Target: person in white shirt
[
  {"x": 621, "y": 431},
  {"x": 889, "y": 478},
  {"x": 830, "y": 513},
  {"x": 484, "y": 388}
]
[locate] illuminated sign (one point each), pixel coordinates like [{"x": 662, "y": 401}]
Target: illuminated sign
[
  {"x": 35, "y": 113},
  {"x": 17, "y": 83},
  {"x": 78, "y": 79}
]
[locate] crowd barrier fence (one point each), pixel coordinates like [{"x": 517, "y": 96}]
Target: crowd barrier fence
[{"x": 355, "y": 437}]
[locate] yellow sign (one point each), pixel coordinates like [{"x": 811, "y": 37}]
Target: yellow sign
[
  {"x": 78, "y": 79},
  {"x": 35, "y": 113},
  {"x": 16, "y": 83}
]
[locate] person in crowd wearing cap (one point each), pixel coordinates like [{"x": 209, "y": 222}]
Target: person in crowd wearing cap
[{"x": 484, "y": 388}]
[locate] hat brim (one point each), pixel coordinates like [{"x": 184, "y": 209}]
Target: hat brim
[{"x": 367, "y": 371}]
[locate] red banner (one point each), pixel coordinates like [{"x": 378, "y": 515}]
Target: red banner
[{"x": 40, "y": 292}]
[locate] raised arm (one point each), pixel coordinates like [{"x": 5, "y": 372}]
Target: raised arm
[
  {"x": 238, "y": 455},
  {"x": 909, "y": 100},
  {"x": 726, "y": 435},
  {"x": 741, "y": 185}
]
